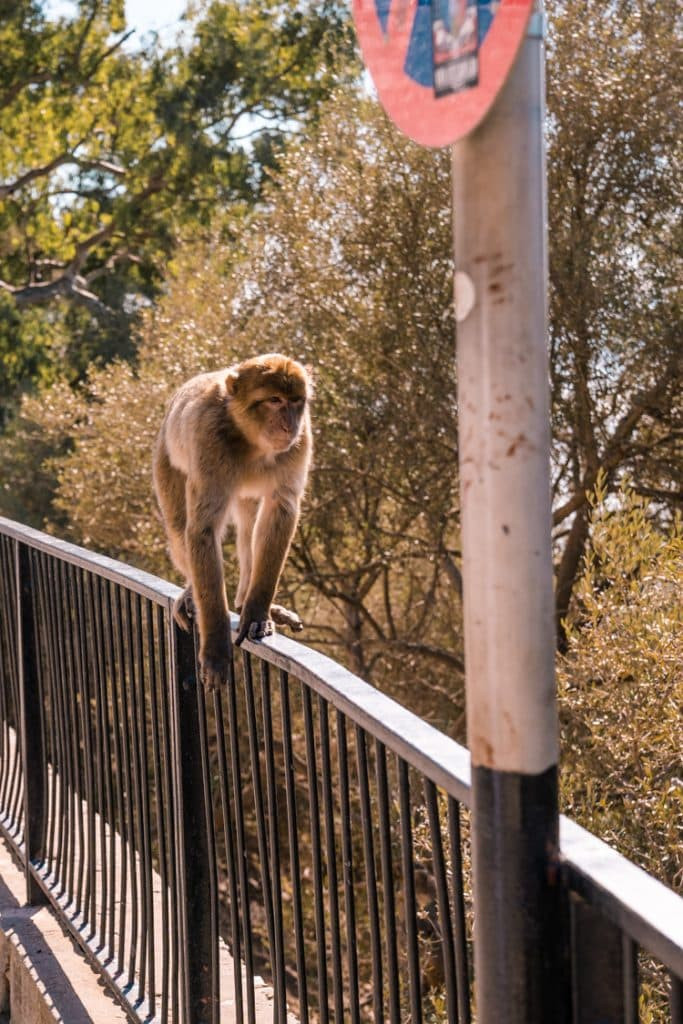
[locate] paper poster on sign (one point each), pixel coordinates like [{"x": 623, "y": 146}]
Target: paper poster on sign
[{"x": 439, "y": 64}]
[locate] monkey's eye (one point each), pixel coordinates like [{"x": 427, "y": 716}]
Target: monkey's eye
[{"x": 274, "y": 400}]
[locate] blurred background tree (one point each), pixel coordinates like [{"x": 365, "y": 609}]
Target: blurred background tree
[
  {"x": 615, "y": 262},
  {"x": 111, "y": 152}
]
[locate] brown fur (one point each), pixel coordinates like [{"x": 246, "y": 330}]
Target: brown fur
[{"x": 235, "y": 446}]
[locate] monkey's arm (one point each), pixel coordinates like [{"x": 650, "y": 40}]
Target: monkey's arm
[{"x": 273, "y": 532}]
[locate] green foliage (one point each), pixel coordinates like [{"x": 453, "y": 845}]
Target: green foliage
[
  {"x": 109, "y": 154},
  {"x": 621, "y": 686}
]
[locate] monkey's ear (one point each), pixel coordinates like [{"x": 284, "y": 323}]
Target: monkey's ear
[{"x": 231, "y": 379}]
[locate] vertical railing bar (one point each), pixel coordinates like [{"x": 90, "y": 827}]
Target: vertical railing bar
[
  {"x": 409, "y": 892},
  {"x": 58, "y": 732},
  {"x": 261, "y": 837},
  {"x": 76, "y": 878},
  {"x": 459, "y": 920},
  {"x": 116, "y": 825},
  {"x": 6, "y": 574},
  {"x": 29, "y": 713},
  {"x": 86, "y": 721},
  {"x": 167, "y": 785},
  {"x": 229, "y": 838},
  {"x": 46, "y": 675},
  {"x": 370, "y": 878},
  {"x": 293, "y": 837},
  {"x": 5, "y": 670},
  {"x": 146, "y": 963},
  {"x": 100, "y": 860},
  {"x": 330, "y": 843},
  {"x": 211, "y": 866},
  {"x": 53, "y": 752},
  {"x": 16, "y": 790},
  {"x": 8, "y": 662},
  {"x": 347, "y": 869},
  {"x": 236, "y": 769},
  {"x": 127, "y": 809},
  {"x": 71, "y": 726},
  {"x": 162, "y": 837},
  {"x": 181, "y": 664},
  {"x": 445, "y": 920},
  {"x": 110, "y": 721},
  {"x": 134, "y": 789},
  {"x": 101, "y": 757},
  {"x": 63, "y": 690},
  {"x": 274, "y": 838},
  {"x": 675, "y": 998},
  {"x": 316, "y": 852},
  {"x": 387, "y": 882},
  {"x": 630, "y": 977},
  {"x": 46, "y": 731},
  {"x": 84, "y": 793},
  {"x": 106, "y": 810}
]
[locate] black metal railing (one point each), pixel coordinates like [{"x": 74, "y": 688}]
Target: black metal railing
[{"x": 297, "y": 827}]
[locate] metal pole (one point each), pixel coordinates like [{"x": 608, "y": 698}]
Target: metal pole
[{"x": 503, "y": 407}]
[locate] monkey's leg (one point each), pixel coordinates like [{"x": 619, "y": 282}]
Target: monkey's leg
[
  {"x": 273, "y": 532},
  {"x": 170, "y": 484},
  {"x": 245, "y": 517},
  {"x": 203, "y": 543}
]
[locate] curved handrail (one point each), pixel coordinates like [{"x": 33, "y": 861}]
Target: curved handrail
[{"x": 424, "y": 747}]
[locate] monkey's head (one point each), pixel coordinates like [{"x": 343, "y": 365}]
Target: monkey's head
[{"x": 269, "y": 398}]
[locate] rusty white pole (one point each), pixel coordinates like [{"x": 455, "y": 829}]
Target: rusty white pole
[{"x": 504, "y": 438}]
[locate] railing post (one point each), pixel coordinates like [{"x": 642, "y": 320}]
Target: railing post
[
  {"x": 194, "y": 890},
  {"x": 499, "y": 194},
  {"x": 30, "y": 738},
  {"x": 597, "y": 959}
]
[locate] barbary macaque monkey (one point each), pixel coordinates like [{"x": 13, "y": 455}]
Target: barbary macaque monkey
[{"x": 235, "y": 446}]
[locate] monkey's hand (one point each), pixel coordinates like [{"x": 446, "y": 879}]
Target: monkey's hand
[
  {"x": 184, "y": 610},
  {"x": 254, "y": 624},
  {"x": 283, "y": 617}
]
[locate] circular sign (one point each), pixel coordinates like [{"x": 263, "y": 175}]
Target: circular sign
[{"x": 438, "y": 65}]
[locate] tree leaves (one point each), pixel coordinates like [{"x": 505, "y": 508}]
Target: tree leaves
[{"x": 110, "y": 153}]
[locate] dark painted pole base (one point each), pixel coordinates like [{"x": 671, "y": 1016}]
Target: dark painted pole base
[{"x": 520, "y": 968}]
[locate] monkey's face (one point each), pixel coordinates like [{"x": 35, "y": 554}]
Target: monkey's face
[
  {"x": 280, "y": 417},
  {"x": 269, "y": 399}
]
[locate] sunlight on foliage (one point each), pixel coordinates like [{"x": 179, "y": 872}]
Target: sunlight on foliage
[{"x": 621, "y": 686}]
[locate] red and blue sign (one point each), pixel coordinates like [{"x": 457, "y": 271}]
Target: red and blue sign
[{"x": 438, "y": 65}]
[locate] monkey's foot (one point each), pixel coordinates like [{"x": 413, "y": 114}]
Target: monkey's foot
[
  {"x": 214, "y": 670},
  {"x": 184, "y": 610},
  {"x": 283, "y": 617}
]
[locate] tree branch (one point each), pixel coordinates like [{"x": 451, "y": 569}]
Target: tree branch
[
  {"x": 68, "y": 285},
  {"x": 9, "y": 188}
]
